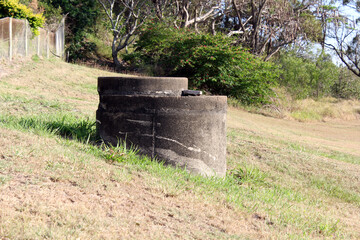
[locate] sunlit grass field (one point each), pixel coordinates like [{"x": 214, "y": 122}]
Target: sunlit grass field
[{"x": 58, "y": 181}]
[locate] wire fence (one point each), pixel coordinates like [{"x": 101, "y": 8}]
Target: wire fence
[{"x": 17, "y": 40}]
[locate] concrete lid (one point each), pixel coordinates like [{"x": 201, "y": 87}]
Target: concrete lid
[{"x": 132, "y": 85}]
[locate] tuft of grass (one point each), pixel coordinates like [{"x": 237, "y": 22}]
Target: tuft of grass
[
  {"x": 31, "y": 104},
  {"x": 340, "y": 156},
  {"x": 248, "y": 174},
  {"x": 333, "y": 189},
  {"x": 65, "y": 125},
  {"x": 3, "y": 179},
  {"x": 306, "y": 115},
  {"x": 102, "y": 49},
  {"x": 35, "y": 58}
]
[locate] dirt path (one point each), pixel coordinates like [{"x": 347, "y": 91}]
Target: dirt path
[{"x": 335, "y": 135}]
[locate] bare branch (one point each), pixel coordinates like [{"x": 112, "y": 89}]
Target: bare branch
[{"x": 129, "y": 16}]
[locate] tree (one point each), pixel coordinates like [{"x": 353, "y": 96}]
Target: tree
[
  {"x": 81, "y": 16},
  {"x": 161, "y": 6},
  {"x": 325, "y": 13},
  {"x": 125, "y": 17},
  {"x": 196, "y": 12},
  {"x": 345, "y": 35},
  {"x": 265, "y": 26},
  {"x": 211, "y": 63},
  {"x": 307, "y": 74},
  {"x": 186, "y": 13}
]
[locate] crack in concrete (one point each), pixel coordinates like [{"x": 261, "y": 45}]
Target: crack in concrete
[
  {"x": 143, "y": 123},
  {"x": 177, "y": 142},
  {"x": 196, "y": 149}
]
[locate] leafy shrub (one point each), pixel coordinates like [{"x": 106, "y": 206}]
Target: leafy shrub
[
  {"x": 52, "y": 15},
  {"x": 81, "y": 50},
  {"x": 348, "y": 85},
  {"x": 81, "y": 19},
  {"x": 210, "y": 62},
  {"x": 12, "y": 8},
  {"x": 307, "y": 74}
]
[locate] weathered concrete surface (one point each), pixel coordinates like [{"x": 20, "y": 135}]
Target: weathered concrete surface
[
  {"x": 187, "y": 131},
  {"x": 142, "y": 86}
]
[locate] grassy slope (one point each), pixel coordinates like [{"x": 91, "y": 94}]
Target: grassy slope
[{"x": 55, "y": 184}]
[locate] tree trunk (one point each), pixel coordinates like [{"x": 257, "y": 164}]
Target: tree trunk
[{"x": 118, "y": 66}]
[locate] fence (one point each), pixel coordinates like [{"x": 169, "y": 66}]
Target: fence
[{"x": 17, "y": 40}]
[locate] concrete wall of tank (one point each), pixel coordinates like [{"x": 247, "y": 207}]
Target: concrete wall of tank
[{"x": 185, "y": 131}]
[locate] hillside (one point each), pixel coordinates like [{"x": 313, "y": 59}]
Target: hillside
[{"x": 286, "y": 179}]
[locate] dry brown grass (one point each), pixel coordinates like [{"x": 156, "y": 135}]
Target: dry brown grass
[
  {"x": 309, "y": 157},
  {"x": 309, "y": 110},
  {"x": 65, "y": 84},
  {"x": 51, "y": 187},
  {"x": 52, "y": 190},
  {"x": 326, "y": 109},
  {"x": 49, "y": 191}
]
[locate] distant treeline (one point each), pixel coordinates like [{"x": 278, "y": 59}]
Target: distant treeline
[{"x": 240, "y": 48}]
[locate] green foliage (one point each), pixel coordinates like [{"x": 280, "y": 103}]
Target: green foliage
[
  {"x": 348, "y": 85},
  {"x": 14, "y": 9},
  {"x": 308, "y": 74},
  {"x": 52, "y": 14},
  {"x": 81, "y": 49},
  {"x": 210, "y": 62},
  {"x": 81, "y": 19},
  {"x": 311, "y": 27}
]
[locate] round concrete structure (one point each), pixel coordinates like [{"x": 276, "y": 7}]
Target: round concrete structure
[
  {"x": 185, "y": 131},
  {"x": 158, "y": 86}
]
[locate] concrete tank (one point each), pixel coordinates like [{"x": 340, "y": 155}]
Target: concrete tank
[{"x": 152, "y": 114}]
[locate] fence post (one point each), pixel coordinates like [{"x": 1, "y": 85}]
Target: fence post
[
  {"x": 60, "y": 39},
  {"x": 26, "y": 38},
  {"x": 57, "y": 48},
  {"x": 10, "y": 39},
  {"x": 47, "y": 44},
  {"x": 63, "y": 38},
  {"x": 38, "y": 44}
]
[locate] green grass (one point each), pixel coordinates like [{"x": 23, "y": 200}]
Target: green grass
[
  {"x": 64, "y": 125},
  {"x": 30, "y": 103},
  {"x": 102, "y": 49},
  {"x": 340, "y": 156},
  {"x": 307, "y": 115},
  {"x": 295, "y": 189},
  {"x": 333, "y": 189},
  {"x": 245, "y": 186}
]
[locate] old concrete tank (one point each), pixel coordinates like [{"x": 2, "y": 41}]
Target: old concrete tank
[{"x": 152, "y": 114}]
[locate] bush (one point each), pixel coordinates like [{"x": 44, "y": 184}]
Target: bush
[
  {"x": 348, "y": 85},
  {"x": 81, "y": 18},
  {"x": 12, "y": 8},
  {"x": 211, "y": 63},
  {"x": 307, "y": 74}
]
